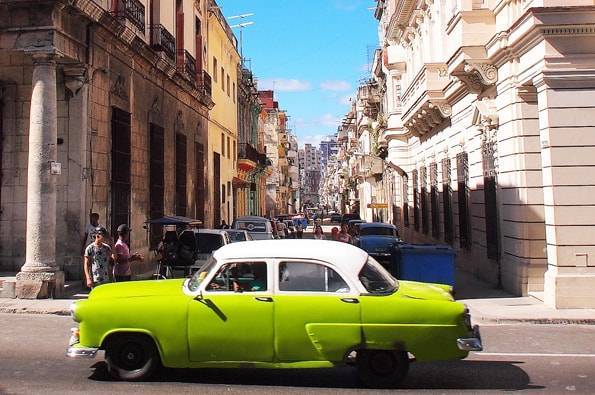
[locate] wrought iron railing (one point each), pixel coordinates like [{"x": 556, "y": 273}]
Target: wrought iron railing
[
  {"x": 163, "y": 40},
  {"x": 187, "y": 64},
  {"x": 247, "y": 151},
  {"x": 133, "y": 10},
  {"x": 207, "y": 83}
]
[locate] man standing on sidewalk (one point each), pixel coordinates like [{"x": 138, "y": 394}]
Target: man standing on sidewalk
[{"x": 96, "y": 260}]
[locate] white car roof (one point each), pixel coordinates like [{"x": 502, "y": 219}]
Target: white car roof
[
  {"x": 211, "y": 231},
  {"x": 346, "y": 256}
]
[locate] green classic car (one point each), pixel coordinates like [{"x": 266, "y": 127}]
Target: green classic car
[{"x": 275, "y": 304}]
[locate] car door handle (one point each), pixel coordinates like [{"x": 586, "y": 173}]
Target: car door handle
[
  {"x": 264, "y": 298},
  {"x": 350, "y": 300}
]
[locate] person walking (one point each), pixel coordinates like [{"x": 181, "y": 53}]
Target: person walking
[
  {"x": 122, "y": 256},
  {"x": 335, "y": 233},
  {"x": 96, "y": 260},
  {"x": 318, "y": 233},
  {"x": 89, "y": 236},
  {"x": 344, "y": 235},
  {"x": 299, "y": 230}
]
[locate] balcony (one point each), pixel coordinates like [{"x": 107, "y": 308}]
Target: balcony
[
  {"x": 132, "y": 10},
  {"x": 248, "y": 157},
  {"x": 207, "y": 84},
  {"x": 424, "y": 105},
  {"x": 186, "y": 64},
  {"x": 162, "y": 40}
]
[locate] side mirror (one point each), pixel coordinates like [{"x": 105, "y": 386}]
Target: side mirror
[{"x": 199, "y": 297}]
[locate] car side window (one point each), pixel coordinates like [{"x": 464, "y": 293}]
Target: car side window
[
  {"x": 240, "y": 277},
  {"x": 310, "y": 277}
]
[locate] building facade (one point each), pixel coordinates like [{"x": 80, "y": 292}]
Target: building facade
[
  {"x": 250, "y": 183},
  {"x": 97, "y": 97},
  {"x": 224, "y": 61},
  {"x": 485, "y": 139},
  {"x": 310, "y": 168}
]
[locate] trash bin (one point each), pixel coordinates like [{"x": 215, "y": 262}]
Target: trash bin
[{"x": 429, "y": 263}]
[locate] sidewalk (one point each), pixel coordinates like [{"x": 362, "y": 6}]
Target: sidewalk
[
  {"x": 487, "y": 305},
  {"x": 495, "y": 306}
]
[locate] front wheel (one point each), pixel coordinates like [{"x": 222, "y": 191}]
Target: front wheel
[
  {"x": 131, "y": 357},
  {"x": 382, "y": 368}
]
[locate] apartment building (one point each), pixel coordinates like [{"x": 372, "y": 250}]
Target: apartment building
[
  {"x": 223, "y": 63},
  {"x": 104, "y": 108},
  {"x": 484, "y": 129}
]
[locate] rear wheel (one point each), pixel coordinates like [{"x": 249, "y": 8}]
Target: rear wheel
[
  {"x": 131, "y": 357},
  {"x": 382, "y": 368}
]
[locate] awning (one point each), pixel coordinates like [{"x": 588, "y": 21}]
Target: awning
[
  {"x": 173, "y": 220},
  {"x": 239, "y": 183}
]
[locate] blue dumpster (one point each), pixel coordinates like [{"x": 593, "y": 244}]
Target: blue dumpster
[{"x": 429, "y": 263}]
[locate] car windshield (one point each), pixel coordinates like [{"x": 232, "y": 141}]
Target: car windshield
[
  {"x": 251, "y": 226},
  {"x": 209, "y": 242},
  {"x": 198, "y": 277},
  {"x": 376, "y": 279},
  {"x": 377, "y": 231},
  {"x": 237, "y": 236}
]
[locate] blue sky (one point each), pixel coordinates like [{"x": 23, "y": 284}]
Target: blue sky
[{"x": 313, "y": 52}]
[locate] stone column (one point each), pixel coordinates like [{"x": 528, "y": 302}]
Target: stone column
[
  {"x": 566, "y": 119},
  {"x": 40, "y": 277}
]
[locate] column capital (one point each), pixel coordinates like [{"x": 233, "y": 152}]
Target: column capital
[{"x": 44, "y": 59}]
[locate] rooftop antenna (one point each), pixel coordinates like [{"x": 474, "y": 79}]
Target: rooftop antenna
[{"x": 241, "y": 26}]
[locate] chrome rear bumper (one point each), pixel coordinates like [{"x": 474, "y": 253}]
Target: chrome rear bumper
[
  {"x": 471, "y": 343},
  {"x": 81, "y": 352}
]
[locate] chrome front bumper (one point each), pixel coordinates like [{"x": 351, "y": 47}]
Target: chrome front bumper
[
  {"x": 471, "y": 343},
  {"x": 81, "y": 352},
  {"x": 78, "y": 352}
]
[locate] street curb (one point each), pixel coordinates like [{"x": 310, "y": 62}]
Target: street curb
[
  {"x": 16, "y": 310},
  {"x": 534, "y": 321}
]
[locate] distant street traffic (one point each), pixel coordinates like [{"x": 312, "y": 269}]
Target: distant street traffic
[{"x": 550, "y": 358}]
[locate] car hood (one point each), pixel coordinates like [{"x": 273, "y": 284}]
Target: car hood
[
  {"x": 132, "y": 289},
  {"x": 426, "y": 291}
]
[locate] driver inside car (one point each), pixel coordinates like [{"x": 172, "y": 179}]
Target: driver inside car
[{"x": 240, "y": 277}]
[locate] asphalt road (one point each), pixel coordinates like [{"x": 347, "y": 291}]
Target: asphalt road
[{"x": 543, "y": 358}]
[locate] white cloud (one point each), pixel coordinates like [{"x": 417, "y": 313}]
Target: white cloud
[
  {"x": 347, "y": 5},
  {"x": 284, "y": 85},
  {"x": 336, "y": 86},
  {"x": 313, "y": 139},
  {"x": 347, "y": 99},
  {"x": 329, "y": 120}
]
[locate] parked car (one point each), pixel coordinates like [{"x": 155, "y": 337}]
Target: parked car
[
  {"x": 237, "y": 235},
  {"x": 353, "y": 226},
  {"x": 335, "y": 218},
  {"x": 379, "y": 240},
  {"x": 318, "y": 304},
  {"x": 197, "y": 245},
  {"x": 345, "y": 218},
  {"x": 259, "y": 228}
]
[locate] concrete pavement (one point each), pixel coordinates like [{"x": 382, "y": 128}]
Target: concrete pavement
[{"x": 554, "y": 359}]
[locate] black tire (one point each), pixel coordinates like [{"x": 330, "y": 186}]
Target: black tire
[
  {"x": 131, "y": 357},
  {"x": 382, "y": 368}
]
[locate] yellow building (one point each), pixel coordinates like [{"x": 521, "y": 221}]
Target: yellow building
[{"x": 223, "y": 60}]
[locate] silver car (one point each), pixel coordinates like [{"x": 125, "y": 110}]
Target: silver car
[{"x": 259, "y": 228}]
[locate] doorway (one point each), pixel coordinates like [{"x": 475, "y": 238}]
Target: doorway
[{"x": 120, "y": 213}]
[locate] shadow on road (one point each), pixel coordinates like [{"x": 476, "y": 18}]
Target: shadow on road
[{"x": 473, "y": 375}]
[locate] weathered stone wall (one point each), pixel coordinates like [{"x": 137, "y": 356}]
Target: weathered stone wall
[{"x": 117, "y": 75}]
